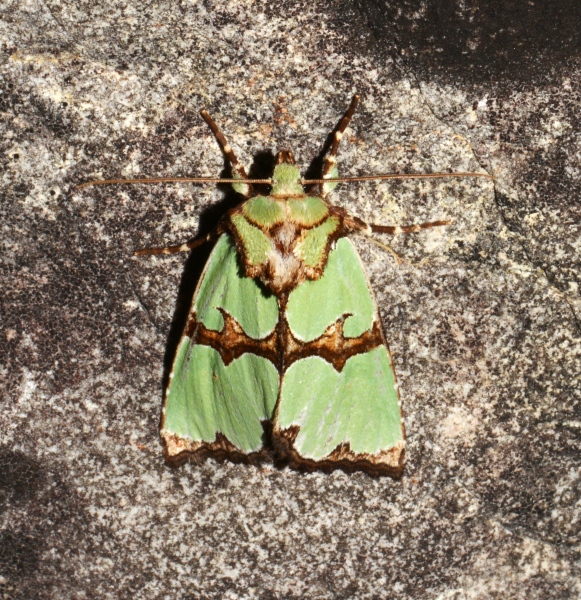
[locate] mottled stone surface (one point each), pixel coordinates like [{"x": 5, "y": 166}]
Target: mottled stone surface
[{"x": 483, "y": 317}]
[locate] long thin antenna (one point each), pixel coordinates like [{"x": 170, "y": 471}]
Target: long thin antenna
[
  {"x": 269, "y": 181},
  {"x": 395, "y": 176},
  {"x": 171, "y": 180}
]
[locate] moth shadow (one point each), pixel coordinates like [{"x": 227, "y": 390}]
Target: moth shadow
[
  {"x": 315, "y": 168},
  {"x": 261, "y": 168}
]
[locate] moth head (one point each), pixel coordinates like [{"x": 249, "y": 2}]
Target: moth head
[
  {"x": 285, "y": 156},
  {"x": 286, "y": 179}
]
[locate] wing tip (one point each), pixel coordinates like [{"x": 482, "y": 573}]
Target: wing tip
[
  {"x": 388, "y": 462},
  {"x": 178, "y": 450}
]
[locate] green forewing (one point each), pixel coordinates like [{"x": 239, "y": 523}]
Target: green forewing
[
  {"x": 206, "y": 397},
  {"x": 343, "y": 288},
  {"x": 223, "y": 285},
  {"x": 358, "y": 406}
]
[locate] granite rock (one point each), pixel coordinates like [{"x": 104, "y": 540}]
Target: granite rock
[{"x": 483, "y": 317}]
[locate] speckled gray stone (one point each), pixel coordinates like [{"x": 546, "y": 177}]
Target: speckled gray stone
[{"x": 482, "y": 316}]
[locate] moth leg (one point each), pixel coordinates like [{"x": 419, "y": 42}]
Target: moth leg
[
  {"x": 330, "y": 164},
  {"x": 394, "y": 230},
  {"x": 238, "y": 171},
  {"x": 356, "y": 225},
  {"x": 185, "y": 247},
  {"x": 398, "y": 259}
]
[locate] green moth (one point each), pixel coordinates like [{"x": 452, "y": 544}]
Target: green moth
[{"x": 283, "y": 352}]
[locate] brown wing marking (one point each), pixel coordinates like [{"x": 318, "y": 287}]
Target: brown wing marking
[
  {"x": 178, "y": 450},
  {"x": 281, "y": 347},
  {"x": 385, "y": 462},
  {"x": 333, "y": 346},
  {"x": 231, "y": 341}
]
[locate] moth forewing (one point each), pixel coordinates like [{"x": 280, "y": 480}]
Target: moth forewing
[
  {"x": 220, "y": 392},
  {"x": 339, "y": 404}
]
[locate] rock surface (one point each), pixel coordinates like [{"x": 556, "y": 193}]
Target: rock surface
[{"x": 483, "y": 317}]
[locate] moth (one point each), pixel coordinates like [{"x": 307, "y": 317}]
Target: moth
[{"x": 283, "y": 354}]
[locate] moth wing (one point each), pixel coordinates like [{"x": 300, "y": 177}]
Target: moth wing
[
  {"x": 214, "y": 405},
  {"x": 331, "y": 412}
]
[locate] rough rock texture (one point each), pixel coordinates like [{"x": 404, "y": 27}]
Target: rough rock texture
[{"x": 483, "y": 316}]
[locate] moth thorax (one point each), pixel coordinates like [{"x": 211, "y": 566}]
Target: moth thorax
[
  {"x": 284, "y": 271},
  {"x": 284, "y": 235}
]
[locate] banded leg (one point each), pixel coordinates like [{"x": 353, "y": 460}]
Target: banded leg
[
  {"x": 330, "y": 169},
  {"x": 238, "y": 171},
  {"x": 394, "y": 229},
  {"x": 185, "y": 247}
]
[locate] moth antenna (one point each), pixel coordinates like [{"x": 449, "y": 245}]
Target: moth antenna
[
  {"x": 394, "y": 176},
  {"x": 330, "y": 170},
  {"x": 180, "y": 247},
  {"x": 246, "y": 182},
  {"x": 237, "y": 168},
  {"x": 172, "y": 180}
]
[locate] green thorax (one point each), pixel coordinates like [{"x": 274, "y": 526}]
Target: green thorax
[
  {"x": 286, "y": 181},
  {"x": 287, "y": 201},
  {"x": 271, "y": 226},
  {"x": 268, "y": 211},
  {"x": 285, "y": 237}
]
